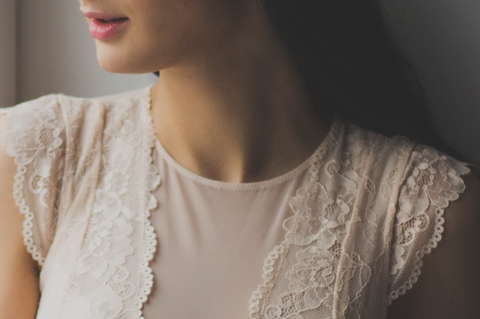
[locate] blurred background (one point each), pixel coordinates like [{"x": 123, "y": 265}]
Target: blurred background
[{"x": 45, "y": 47}]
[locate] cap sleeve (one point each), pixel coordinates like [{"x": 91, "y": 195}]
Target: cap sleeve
[
  {"x": 432, "y": 180},
  {"x": 35, "y": 139}
]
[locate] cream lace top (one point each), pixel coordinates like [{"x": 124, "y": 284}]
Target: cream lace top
[{"x": 362, "y": 218}]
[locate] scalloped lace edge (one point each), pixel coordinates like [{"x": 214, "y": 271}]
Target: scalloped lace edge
[
  {"x": 279, "y": 250},
  {"x": 268, "y": 268},
  {"x": 29, "y": 216},
  {"x": 427, "y": 249},
  {"x": 151, "y": 244},
  {"x": 18, "y": 194}
]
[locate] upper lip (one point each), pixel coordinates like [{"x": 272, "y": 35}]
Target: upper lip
[{"x": 102, "y": 16}]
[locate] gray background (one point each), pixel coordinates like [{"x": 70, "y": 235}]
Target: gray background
[{"x": 54, "y": 53}]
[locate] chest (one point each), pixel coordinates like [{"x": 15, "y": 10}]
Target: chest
[
  {"x": 329, "y": 259},
  {"x": 213, "y": 239}
]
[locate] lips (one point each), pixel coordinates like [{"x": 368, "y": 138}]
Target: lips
[
  {"x": 105, "y": 30},
  {"x": 103, "y": 16},
  {"x": 111, "y": 20},
  {"x": 103, "y": 25}
]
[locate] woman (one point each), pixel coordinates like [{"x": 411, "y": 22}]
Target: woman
[{"x": 165, "y": 202}]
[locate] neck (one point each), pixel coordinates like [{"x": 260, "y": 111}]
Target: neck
[{"x": 237, "y": 117}]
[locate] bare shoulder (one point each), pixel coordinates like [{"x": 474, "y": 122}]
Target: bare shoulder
[
  {"x": 449, "y": 280},
  {"x": 18, "y": 272}
]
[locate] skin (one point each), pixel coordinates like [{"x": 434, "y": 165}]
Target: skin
[
  {"x": 19, "y": 290},
  {"x": 227, "y": 87},
  {"x": 238, "y": 111}
]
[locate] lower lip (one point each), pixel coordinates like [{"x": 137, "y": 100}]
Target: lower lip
[{"x": 103, "y": 31}]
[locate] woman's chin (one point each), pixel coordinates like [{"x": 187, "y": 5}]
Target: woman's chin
[
  {"x": 121, "y": 63},
  {"x": 114, "y": 65}
]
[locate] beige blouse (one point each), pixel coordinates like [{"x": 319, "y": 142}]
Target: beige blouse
[
  {"x": 213, "y": 238},
  {"x": 341, "y": 236}
]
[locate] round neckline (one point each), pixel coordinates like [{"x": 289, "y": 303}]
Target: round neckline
[{"x": 334, "y": 126}]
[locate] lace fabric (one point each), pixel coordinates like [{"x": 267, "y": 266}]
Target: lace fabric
[
  {"x": 431, "y": 182},
  {"x": 36, "y": 134},
  {"x": 372, "y": 208}
]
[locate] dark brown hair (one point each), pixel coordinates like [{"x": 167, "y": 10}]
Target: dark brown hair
[{"x": 353, "y": 66}]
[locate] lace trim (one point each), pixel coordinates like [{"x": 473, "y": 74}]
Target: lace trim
[
  {"x": 267, "y": 285},
  {"x": 150, "y": 245},
  {"x": 279, "y": 250},
  {"x": 25, "y": 210},
  {"x": 435, "y": 239},
  {"x": 21, "y": 202}
]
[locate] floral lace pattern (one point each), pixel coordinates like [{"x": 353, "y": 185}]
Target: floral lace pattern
[
  {"x": 337, "y": 244},
  {"x": 433, "y": 181},
  {"x": 119, "y": 240},
  {"x": 372, "y": 208},
  {"x": 35, "y": 138},
  {"x": 101, "y": 151}
]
